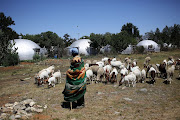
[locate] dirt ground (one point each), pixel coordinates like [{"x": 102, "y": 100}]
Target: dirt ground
[{"x": 102, "y": 102}]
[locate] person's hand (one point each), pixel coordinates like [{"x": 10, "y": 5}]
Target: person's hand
[{"x": 69, "y": 76}]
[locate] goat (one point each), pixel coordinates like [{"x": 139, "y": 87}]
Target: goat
[
  {"x": 113, "y": 75},
  {"x": 57, "y": 75},
  {"x": 143, "y": 75},
  {"x": 52, "y": 81},
  {"x": 162, "y": 69},
  {"x": 89, "y": 74},
  {"x": 130, "y": 79}
]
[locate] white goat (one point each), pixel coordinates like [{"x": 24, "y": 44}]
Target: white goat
[
  {"x": 170, "y": 62},
  {"x": 52, "y": 81},
  {"x": 116, "y": 63},
  {"x": 170, "y": 71},
  {"x": 165, "y": 61},
  {"x": 86, "y": 66},
  {"x": 143, "y": 75},
  {"x": 104, "y": 59},
  {"x": 100, "y": 74},
  {"x": 147, "y": 60},
  {"x": 136, "y": 70},
  {"x": 89, "y": 74},
  {"x": 57, "y": 75},
  {"x": 42, "y": 76},
  {"x": 114, "y": 59},
  {"x": 113, "y": 75},
  {"x": 123, "y": 72},
  {"x": 130, "y": 79},
  {"x": 152, "y": 69},
  {"x": 100, "y": 63},
  {"x": 94, "y": 68}
]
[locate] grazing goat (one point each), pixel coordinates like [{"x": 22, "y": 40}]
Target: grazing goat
[
  {"x": 170, "y": 72},
  {"x": 113, "y": 75},
  {"x": 52, "y": 81},
  {"x": 94, "y": 68},
  {"x": 100, "y": 63},
  {"x": 114, "y": 59},
  {"x": 86, "y": 66},
  {"x": 89, "y": 74},
  {"x": 123, "y": 73},
  {"x": 104, "y": 59},
  {"x": 57, "y": 75},
  {"x": 116, "y": 63},
  {"x": 100, "y": 74},
  {"x": 130, "y": 79},
  {"x": 147, "y": 60},
  {"x": 162, "y": 69},
  {"x": 107, "y": 70},
  {"x": 137, "y": 72},
  {"x": 152, "y": 72},
  {"x": 177, "y": 64},
  {"x": 42, "y": 76},
  {"x": 143, "y": 75}
]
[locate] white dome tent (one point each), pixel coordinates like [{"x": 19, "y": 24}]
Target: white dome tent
[
  {"x": 83, "y": 45},
  {"x": 128, "y": 50},
  {"x": 149, "y": 45},
  {"x": 26, "y": 48}
]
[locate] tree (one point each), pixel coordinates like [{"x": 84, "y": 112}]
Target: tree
[
  {"x": 166, "y": 35},
  {"x": 85, "y": 37},
  {"x": 107, "y": 38},
  {"x": 67, "y": 40},
  {"x": 131, "y": 29},
  {"x": 97, "y": 41},
  {"x": 149, "y": 35},
  {"x": 5, "y": 22},
  {"x": 157, "y": 35},
  {"x": 7, "y": 55},
  {"x": 175, "y": 35},
  {"x": 120, "y": 41}
]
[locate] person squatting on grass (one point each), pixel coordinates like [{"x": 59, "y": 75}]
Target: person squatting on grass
[{"x": 75, "y": 86}]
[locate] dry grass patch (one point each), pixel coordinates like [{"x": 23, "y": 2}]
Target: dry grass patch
[{"x": 102, "y": 102}]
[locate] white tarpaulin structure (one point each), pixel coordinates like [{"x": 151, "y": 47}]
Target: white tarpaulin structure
[
  {"x": 83, "y": 45},
  {"x": 149, "y": 45},
  {"x": 128, "y": 50},
  {"x": 26, "y": 48}
]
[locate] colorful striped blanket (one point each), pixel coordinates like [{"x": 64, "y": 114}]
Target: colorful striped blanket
[{"x": 75, "y": 86}]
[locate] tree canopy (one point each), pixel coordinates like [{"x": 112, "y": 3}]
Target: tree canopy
[
  {"x": 169, "y": 35},
  {"x": 5, "y": 23},
  {"x": 7, "y": 55}
]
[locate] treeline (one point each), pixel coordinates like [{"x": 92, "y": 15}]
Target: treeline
[
  {"x": 129, "y": 34},
  {"x": 169, "y": 35}
]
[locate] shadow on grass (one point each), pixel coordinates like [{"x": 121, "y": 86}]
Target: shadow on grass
[
  {"x": 67, "y": 105},
  {"x": 166, "y": 82}
]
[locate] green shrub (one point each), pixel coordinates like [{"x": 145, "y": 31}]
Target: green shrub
[
  {"x": 10, "y": 59},
  {"x": 140, "y": 49},
  {"x": 36, "y": 57}
]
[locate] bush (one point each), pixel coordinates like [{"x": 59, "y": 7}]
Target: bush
[
  {"x": 140, "y": 49},
  {"x": 36, "y": 57},
  {"x": 11, "y": 59}
]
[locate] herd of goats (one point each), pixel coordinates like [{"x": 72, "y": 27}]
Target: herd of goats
[{"x": 107, "y": 70}]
